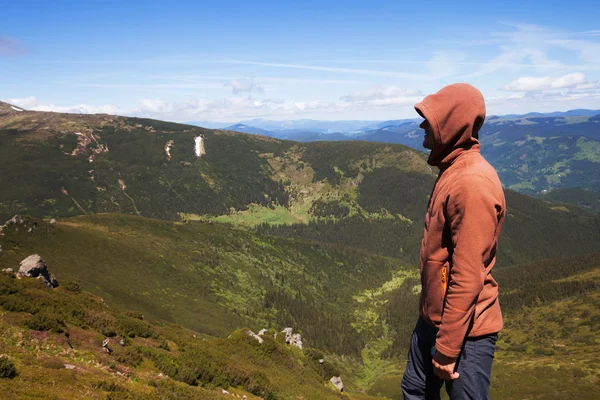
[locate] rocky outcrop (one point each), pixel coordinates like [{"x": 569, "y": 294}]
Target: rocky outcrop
[
  {"x": 255, "y": 336},
  {"x": 337, "y": 382},
  {"x": 34, "y": 266},
  {"x": 292, "y": 338},
  {"x": 168, "y": 146},
  {"x": 16, "y": 220}
]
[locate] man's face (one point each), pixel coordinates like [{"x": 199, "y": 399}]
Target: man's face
[{"x": 428, "y": 139}]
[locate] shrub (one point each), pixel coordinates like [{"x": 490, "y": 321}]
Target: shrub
[
  {"x": 107, "y": 386},
  {"x": 72, "y": 287},
  {"x": 9, "y": 286},
  {"x": 130, "y": 356},
  {"x": 18, "y": 304},
  {"x": 7, "y": 368},
  {"x": 45, "y": 322},
  {"x": 163, "y": 344}
]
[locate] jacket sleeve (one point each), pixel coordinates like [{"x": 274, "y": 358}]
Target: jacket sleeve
[{"x": 473, "y": 218}]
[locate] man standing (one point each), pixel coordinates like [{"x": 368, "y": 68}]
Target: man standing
[{"x": 460, "y": 317}]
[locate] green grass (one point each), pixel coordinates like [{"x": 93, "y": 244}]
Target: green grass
[
  {"x": 209, "y": 277},
  {"x": 166, "y": 362}
]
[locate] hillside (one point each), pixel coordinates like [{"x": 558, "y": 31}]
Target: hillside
[
  {"x": 217, "y": 230},
  {"x": 360, "y": 194},
  {"x": 550, "y": 310},
  {"x": 52, "y": 347},
  {"x": 588, "y": 199},
  {"x": 533, "y": 153}
]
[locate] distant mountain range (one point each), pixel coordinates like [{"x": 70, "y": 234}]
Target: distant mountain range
[{"x": 534, "y": 153}]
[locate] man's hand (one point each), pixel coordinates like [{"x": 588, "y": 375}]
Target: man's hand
[{"x": 443, "y": 367}]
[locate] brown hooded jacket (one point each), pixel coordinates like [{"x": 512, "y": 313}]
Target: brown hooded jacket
[{"x": 464, "y": 219}]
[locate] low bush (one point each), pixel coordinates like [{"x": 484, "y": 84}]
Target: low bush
[{"x": 7, "y": 368}]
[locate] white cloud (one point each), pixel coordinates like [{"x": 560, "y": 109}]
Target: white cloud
[
  {"x": 242, "y": 85},
  {"x": 380, "y": 93},
  {"x": 576, "y": 81},
  {"x": 369, "y": 72},
  {"x": 31, "y": 103}
]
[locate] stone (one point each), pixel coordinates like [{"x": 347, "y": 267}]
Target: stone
[
  {"x": 321, "y": 361},
  {"x": 70, "y": 366},
  {"x": 292, "y": 338},
  {"x": 8, "y": 270},
  {"x": 337, "y": 382},
  {"x": 52, "y": 220},
  {"x": 262, "y": 332},
  {"x": 255, "y": 336},
  {"x": 34, "y": 266}
]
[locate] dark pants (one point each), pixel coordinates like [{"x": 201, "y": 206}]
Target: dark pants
[{"x": 474, "y": 366}]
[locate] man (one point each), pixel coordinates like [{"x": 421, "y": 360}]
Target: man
[{"x": 460, "y": 316}]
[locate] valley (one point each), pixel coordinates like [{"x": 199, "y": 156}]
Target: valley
[{"x": 260, "y": 233}]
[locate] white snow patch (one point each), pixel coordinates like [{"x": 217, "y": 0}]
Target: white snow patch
[
  {"x": 16, "y": 108},
  {"x": 199, "y": 145}
]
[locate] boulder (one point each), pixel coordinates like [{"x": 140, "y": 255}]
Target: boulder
[
  {"x": 34, "y": 266},
  {"x": 292, "y": 338},
  {"x": 262, "y": 332},
  {"x": 337, "y": 382},
  {"x": 255, "y": 336}
]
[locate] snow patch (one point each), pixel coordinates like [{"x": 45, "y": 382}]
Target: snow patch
[
  {"x": 16, "y": 108},
  {"x": 199, "y": 146}
]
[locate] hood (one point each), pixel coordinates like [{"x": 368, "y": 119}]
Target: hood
[{"x": 455, "y": 113}]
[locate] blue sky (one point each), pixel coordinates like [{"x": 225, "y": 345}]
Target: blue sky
[{"x": 236, "y": 60}]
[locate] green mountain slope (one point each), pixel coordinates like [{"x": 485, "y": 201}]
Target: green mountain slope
[
  {"x": 211, "y": 278},
  {"x": 52, "y": 347},
  {"x": 535, "y": 164},
  {"x": 588, "y": 199}
]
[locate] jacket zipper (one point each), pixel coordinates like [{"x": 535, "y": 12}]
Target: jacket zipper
[{"x": 444, "y": 281}]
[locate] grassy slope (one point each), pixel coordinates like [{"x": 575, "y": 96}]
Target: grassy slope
[
  {"x": 157, "y": 362},
  {"x": 588, "y": 199},
  {"x": 210, "y": 277}
]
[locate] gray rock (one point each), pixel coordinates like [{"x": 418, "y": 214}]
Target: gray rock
[
  {"x": 70, "y": 366},
  {"x": 52, "y": 220},
  {"x": 262, "y": 332},
  {"x": 292, "y": 338},
  {"x": 33, "y": 266},
  {"x": 337, "y": 382},
  {"x": 255, "y": 336}
]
